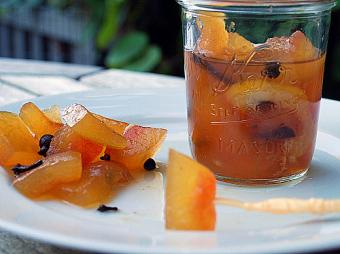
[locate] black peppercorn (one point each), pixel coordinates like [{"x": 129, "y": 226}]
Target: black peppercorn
[{"x": 150, "y": 164}]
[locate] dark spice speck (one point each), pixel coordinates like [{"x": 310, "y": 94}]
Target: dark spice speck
[
  {"x": 104, "y": 208},
  {"x": 43, "y": 151},
  {"x": 265, "y": 106},
  {"x": 283, "y": 132},
  {"x": 272, "y": 70},
  {"x": 19, "y": 169},
  {"x": 149, "y": 164},
  {"x": 105, "y": 157},
  {"x": 45, "y": 140},
  {"x": 44, "y": 144}
]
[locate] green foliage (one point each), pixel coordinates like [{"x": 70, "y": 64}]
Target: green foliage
[
  {"x": 258, "y": 30},
  {"x": 127, "y": 49},
  {"x": 134, "y": 52},
  {"x": 112, "y": 29},
  {"x": 337, "y": 7},
  {"x": 148, "y": 61},
  {"x": 110, "y": 24}
]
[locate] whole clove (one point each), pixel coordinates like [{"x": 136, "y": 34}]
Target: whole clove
[
  {"x": 104, "y": 208},
  {"x": 44, "y": 144},
  {"x": 19, "y": 169}
]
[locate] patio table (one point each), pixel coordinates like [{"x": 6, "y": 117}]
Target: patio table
[{"x": 27, "y": 79}]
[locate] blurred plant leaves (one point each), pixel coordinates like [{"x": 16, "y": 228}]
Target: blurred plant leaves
[
  {"x": 127, "y": 49},
  {"x": 337, "y": 7},
  {"x": 245, "y": 27},
  {"x": 148, "y": 61},
  {"x": 110, "y": 23}
]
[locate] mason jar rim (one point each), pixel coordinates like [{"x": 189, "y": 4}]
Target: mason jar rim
[{"x": 259, "y": 6}]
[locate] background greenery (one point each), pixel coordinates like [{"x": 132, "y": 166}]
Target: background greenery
[
  {"x": 128, "y": 34},
  {"x": 146, "y": 35}
]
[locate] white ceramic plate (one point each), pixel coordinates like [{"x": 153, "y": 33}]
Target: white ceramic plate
[{"x": 139, "y": 227}]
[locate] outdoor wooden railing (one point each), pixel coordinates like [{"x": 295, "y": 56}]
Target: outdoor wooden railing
[{"x": 46, "y": 34}]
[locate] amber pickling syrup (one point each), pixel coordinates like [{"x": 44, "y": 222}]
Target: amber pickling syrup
[{"x": 255, "y": 120}]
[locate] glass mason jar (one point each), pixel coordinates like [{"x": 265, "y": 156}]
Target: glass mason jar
[{"x": 254, "y": 73}]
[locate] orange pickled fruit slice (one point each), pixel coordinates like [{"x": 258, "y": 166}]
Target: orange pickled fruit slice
[
  {"x": 216, "y": 42},
  {"x": 273, "y": 112},
  {"x": 97, "y": 185},
  {"x": 239, "y": 47},
  {"x": 143, "y": 143},
  {"x": 56, "y": 169},
  {"x": 17, "y": 144},
  {"x": 305, "y": 75},
  {"x": 302, "y": 47},
  {"x": 248, "y": 94},
  {"x": 88, "y": 126},
  {"x": 310, "y": 78},
  {"x": 214, "y": 37},
  {"x": 53, "y": 113},
  {"x": 65, "y": 139},
  {"x": 266, "y": 106},
  {"x": 115, "y": 125},
  {"x": 301, "y": 64},
  {"x": 190, "y": 194},
  {"x": 37, "y": 121},
  {"x": 296, "y": 48}
]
